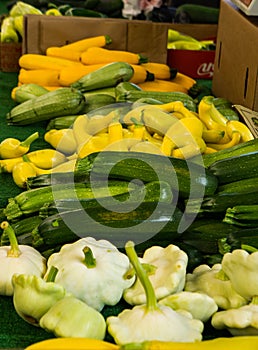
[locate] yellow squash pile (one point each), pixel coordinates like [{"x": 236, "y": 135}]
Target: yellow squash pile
[
  {"x": 62, "y": 66},
  {"x": 167, "y": 129}
]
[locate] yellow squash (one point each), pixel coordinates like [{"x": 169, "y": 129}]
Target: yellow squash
[
  {"x": 101, "y": 55},
  {"x": 42, "y": 77},
  {"x": 72, "y": 343},
  {"x": 162, "y": 85}
]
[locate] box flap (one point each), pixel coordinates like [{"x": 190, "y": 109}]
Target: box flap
[
  {"x": 43, "y": 31},
  {"x": 149, "y": 39},
  {"x": 236, "y": 63}
]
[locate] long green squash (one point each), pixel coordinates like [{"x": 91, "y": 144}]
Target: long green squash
[
  {"x": 60, "y": 102},
  {"x": 107, "y": 76}
]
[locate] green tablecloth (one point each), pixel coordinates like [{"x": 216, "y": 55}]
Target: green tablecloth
[{"x": 14, "y": 332}]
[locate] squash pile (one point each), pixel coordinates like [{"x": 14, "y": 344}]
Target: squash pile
[{"x": 62, "y": 66}]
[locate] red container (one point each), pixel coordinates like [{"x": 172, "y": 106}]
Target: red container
[{"x": 196, "y": 64}]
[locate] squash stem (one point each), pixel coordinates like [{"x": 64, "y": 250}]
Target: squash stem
[
  {"x": 14, "y": 250},
  {"x": 29, "y": 140},
  {"x": 254, "y": 300},
  {"x": 52, "y": 274},
  {"x": 143, "y": 277},
  {"x": 89, "y": 259}
]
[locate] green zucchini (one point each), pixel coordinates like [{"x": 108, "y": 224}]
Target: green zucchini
[
  {"x": 238, "y": 167},
  {"x": 221, "y": 102},
  {"x": 240, "y": 186},
  {"x": 83, "y": 12},
  {"x": 31, "y": 201},
  {"x": 61, "y": 122},
  {"x": 147, "y": 221},
  {"x": 81, "y": 173},
  {"x": 205, "y": 233},
  {"x": 110, "y": 91},
  {"x": 195, "y": 13},
  {"x": 90, "y": 4},
  {"x": 125, "y": 86},
  {"x": 59, "y": 178},
  {"x": 164, "y": 97},
  {"x": 221, "y": 201},
  {"x": 96, "y": 101},
  {"x": 154, "y": 191},
  {"x": 107, "y": 76},
  {"x": 185, "y": 178},
  {"x": 229, "y": 113},
  {"x": 235, "y": 151},
  {"x": 22, "y": 227},
  {"x": 243, "y": 238},
  {"x": 109, "y": 6},
  {"x": 242, "y": 215},
  {"x": 60, "y": 102}
]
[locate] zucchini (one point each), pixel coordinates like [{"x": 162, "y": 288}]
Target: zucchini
[
  {"x": 245, "y": 185},
  {"x": 31, "y": 201},
  {"x": 184, "y": 177},
  {"x": 194, "y": 13},
  {"x": 242, "y": 215},
  {"x": 81, "y": 173},
  {"x": 83, "y": 12},
  {"x": 221, "y": 201},
  {"x": 58, "y": 178},
  {"x": 109, "y": 6},
  {"x": 126, "y": 86},
  {"x": 95, "y": 101},
  {"x": 235, "y": 151},
  {"x": 243, "y": 238},
  {"x": 60, "y": 102},
  {"x": 229, "y": 113},
  {"x": 164, "y": 97},
  {"x": 61, "y": 122},
  {"x": 238, "y": 167},
  {"x": 106, "y": 91},
  {"x": 205, "y": 233},
  {"x": 107, "y": 76},
  {"x": 90, "y": 4},
  {"x": 147, "y": 221},
  {"x": 227, "y": 196},
  {"x": 221, "y": 102},
  {"x": 22, "y": 227},
  {"x": 150, "y": 192}
]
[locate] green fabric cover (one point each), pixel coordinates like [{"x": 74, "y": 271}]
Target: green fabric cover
[{"x": 14, "y": 331}]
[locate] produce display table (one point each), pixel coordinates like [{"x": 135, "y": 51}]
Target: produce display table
[{"x": 15, "y": 333}]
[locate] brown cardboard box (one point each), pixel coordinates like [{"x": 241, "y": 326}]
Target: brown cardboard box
[
  {"x": 9, "y": 56},
  {"x": 236, "y": 61},
  {"x": 144, "y": 37}
]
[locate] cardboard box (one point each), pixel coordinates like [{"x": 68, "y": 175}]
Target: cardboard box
[
  {"x": 144, "y": 37},
  {"x": 137, "y": 36},
  {"x": 236, "y": 61},
  {"x": 9, "y": 56}
]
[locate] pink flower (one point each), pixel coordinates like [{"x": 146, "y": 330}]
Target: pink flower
[{"x": 148, "y": 5}]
